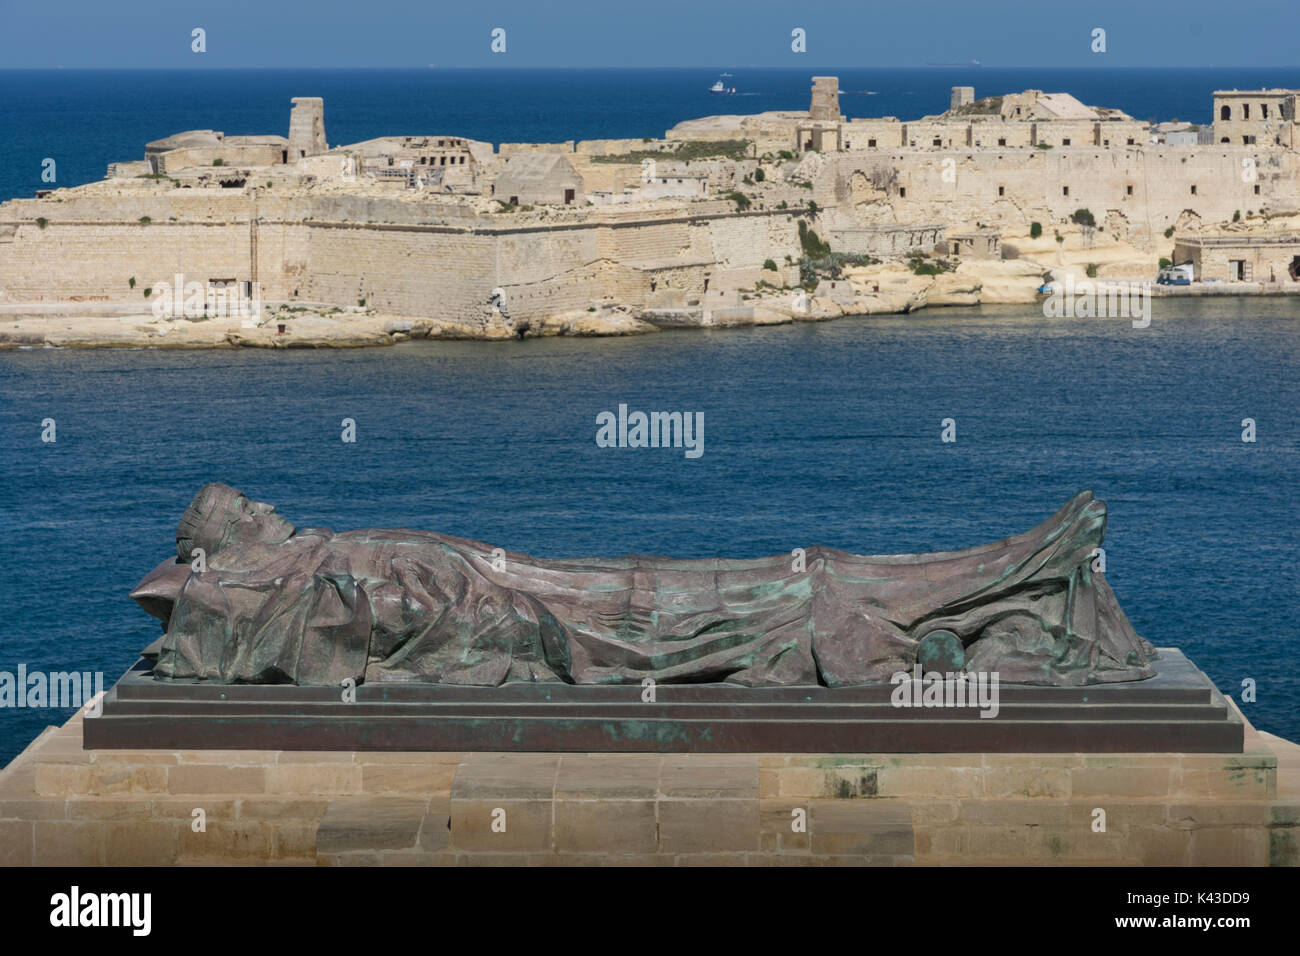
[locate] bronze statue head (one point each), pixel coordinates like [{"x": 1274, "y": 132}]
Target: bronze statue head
[{"x": 220, "y": 515}]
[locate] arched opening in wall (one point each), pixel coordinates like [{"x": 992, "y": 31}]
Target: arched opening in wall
[
  {"x": 1293, "y": 270},
  {"x": 1225, "y": 113}
]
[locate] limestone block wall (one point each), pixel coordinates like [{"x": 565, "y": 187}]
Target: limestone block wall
[
  {"x": 920, "y": 134},
  {"x": 746, "y": 241},
  {"x": 996, "y": 133},
  {"x": 1264, "y": 260},
  {"x": 664, "y": 241},
  {"x": 506, "y": 150},
  {"x": 247, "y": 154},
  {"x": 884, "y": 134},
  {"x": 406, "y": 270},
  {"x": 80, "y": 261},
  {"x": 1146, "y": 190},
  {"x": 63, "y": 805}
]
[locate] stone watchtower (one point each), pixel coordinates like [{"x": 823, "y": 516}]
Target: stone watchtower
[
  {"x": 825, "y": 99},
  {"x": 307, "y": 127},
  {"x": 961, "y": 96}
]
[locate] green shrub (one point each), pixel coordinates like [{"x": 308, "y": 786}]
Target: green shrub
[
  {"x": 811, "y": 242},
  {"x": 148, "y": 292},
  {"x": 1035, "y": 230},
  {"x": 759, "y": 175},
  {"x": 131, "y": 282},
  {"x": 1236, "y": 216},
  {"x": 1091, "y": 270},
  {"x": 1169, "y": 232},
  {"x": 218, "y": 162},
  {"x": 740, "y": 199},
  {"x": 769, "y": 264},
  {"x": 1083, "y": 217},
  {"x": 42, "y": 222},
  {"x": 1165, "y": 263},
  {"x": 704, "y": 149},
  {"x": 145, "y": 220}
]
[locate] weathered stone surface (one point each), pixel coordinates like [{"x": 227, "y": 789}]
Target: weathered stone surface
[{"x": 371, "y": 823}]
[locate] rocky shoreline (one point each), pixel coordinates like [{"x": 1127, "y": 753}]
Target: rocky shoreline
[{"x": 886, "y": 288}]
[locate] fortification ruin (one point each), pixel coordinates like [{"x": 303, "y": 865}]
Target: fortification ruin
[{"x": 447, "y": 227}]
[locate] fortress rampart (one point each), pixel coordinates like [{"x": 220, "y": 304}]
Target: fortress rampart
[
  {"x": 446, "y": 228},
  {"x": 392, "y": 255}
]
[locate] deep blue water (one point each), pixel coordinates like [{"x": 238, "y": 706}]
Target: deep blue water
[
  {"x": 814, "y": 434},
  {"x": 85, "y": 119}
]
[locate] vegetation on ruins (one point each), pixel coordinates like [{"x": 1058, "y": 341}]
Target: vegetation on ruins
[
  {"x": 1091, "y": 270},
  {"x": 144, "y": 220},
  {"x": 811, "y": 242},
  {"x": 769, "y": 264},
  {"x": 818, "y": 261},
  {"x": 759, "y": 175},
  {"x": 218, "y": 162},
  {"x": 735, "y": 149},
  {"x": 917, "y": 261},
  {"x": 1035, "y": 230},
  {"x": 1084, "y": 217},
  {"x": 1044, "y": 146},
  {"x": 988, "y": 106},
  {"x": 1169, "y": 232},
  {"x": 742, "y": 201},
  {"x": 42, "y": 222},
  {"x": 131, "y": 282},
  {"x": 1165, "y": 263}
]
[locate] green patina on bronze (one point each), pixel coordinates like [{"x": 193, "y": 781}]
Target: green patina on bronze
[{"x": 271, "y": 603}]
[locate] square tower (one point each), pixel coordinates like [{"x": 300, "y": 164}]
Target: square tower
[
  {"x": 307, "y": 127},
  {"x": 825, "y": 99}
]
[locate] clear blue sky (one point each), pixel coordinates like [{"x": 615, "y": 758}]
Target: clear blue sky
[{"x": 604, "y": 33}]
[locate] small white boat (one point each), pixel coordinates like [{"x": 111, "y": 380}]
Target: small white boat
[{"x": 720, "y": 87}]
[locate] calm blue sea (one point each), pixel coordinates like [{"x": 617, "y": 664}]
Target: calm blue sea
[{"x": 814, "y": 434}]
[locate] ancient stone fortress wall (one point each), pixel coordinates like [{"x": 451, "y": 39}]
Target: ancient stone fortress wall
[
  {"x": 419, "y": 259},
  {"x": 1145, "y": 190}
]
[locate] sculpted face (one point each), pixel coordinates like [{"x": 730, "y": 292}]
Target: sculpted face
[
  {"x": 255, "y": 522},
  {"x": 220, "y": 516}
]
